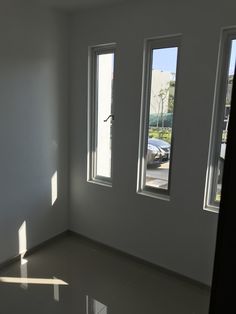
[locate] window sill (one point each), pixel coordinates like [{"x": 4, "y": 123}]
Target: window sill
[
  {"x": 100, "y": 182},
  {"x": 156, "y": 195}
]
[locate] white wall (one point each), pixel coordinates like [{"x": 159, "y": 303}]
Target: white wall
[
  {"x": 178, "y": 235},
  {"x": 33, "y": 125}
]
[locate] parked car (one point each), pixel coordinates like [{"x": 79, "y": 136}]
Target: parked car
[
  {"x": 154, "y": 156},
  {"x": 161, "y": 145}
]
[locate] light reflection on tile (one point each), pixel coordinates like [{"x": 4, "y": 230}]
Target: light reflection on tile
[
  {"x": 33, "y": 281},
  {"x": 94, "y": 306},
  {"x": 98, "y": 279},
  {"x": 24, "y": 272},
  {"x": 56, "y": 291}
]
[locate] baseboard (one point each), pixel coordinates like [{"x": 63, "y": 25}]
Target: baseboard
[
  {"x": 145, "y": 262},
  {"x": 32, "y": 250},
  {"x": 117, "y": 251},
  {"x": 46, "y": 242},
  {"x": 9, "y": 261}
]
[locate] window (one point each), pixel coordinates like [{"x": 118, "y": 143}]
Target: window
[
  {"x": 220, "y": 119},
  {"x": 100, "y": 113},
  {"x": 158, "y": 102}
]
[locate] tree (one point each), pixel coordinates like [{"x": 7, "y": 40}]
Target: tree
[
  {"x": 158, "y": 104},
  {"x": 171, "y": 104},
  {"x": 162, "y": 96}
]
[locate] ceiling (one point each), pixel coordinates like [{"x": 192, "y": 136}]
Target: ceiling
[{"x": 65, "y": 4}]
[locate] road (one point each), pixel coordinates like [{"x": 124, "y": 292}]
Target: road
[{"x": 158, "y": 177}]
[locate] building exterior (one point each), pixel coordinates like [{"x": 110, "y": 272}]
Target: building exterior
[{"x": 162, "y": 88}]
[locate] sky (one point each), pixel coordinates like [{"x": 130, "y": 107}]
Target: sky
[
  {"x": 232, "y": 57},
  {"x": 165, "y": 59}
]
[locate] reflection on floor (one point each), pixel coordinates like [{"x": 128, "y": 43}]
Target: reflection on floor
[{"x": 74, "y": 275}]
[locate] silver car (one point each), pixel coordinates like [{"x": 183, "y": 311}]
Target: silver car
[
  {"x": 163, "y": 146},
  {"x": 154, "y": 156}
]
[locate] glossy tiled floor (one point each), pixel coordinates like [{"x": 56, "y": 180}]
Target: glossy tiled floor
[{"x": 78, "y": 276}]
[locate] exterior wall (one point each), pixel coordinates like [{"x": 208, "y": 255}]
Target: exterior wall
[{"x": 160, "y": 81}]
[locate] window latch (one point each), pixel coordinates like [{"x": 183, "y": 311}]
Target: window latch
[{"x": 110, "y": 116}]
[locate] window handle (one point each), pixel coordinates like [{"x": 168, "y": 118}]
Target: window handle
[{"x": 110, "y": 116}]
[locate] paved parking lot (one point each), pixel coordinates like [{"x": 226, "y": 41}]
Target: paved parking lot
[{"x": 158, "y": 177}]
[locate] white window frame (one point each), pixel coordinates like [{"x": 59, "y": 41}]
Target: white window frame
[
  {"x": 93, "y": 52},
  {"x": 227, "y": 35},
  {"x": 149, "y": 45}
]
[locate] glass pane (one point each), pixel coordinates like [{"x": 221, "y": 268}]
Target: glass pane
[
  {"x": 105, "y": 71},
  {"x": 162, "y": 98},
  {"x": 224, "y": 134}
]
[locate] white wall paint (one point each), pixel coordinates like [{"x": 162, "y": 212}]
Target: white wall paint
[
  {"x": 33, "y": 125},
  {"x": 178, "y": 235}
]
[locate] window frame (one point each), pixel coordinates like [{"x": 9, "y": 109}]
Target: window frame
[
  {"x": 150, "y": 44},
  {"x": 227, "y": 35},
  {"x": 93, "y": 53}
]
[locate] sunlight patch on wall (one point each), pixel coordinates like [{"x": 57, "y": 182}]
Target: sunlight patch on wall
[
  {"x": 22, "y": 239},
  {"x": 54, "y": 188},
  {"x": 22, "y": 235}
]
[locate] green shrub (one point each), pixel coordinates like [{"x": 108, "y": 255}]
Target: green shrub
[{"x": 160, "y": 133}]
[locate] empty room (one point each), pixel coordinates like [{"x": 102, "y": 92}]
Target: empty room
[{"x": 114, "y": 124}]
